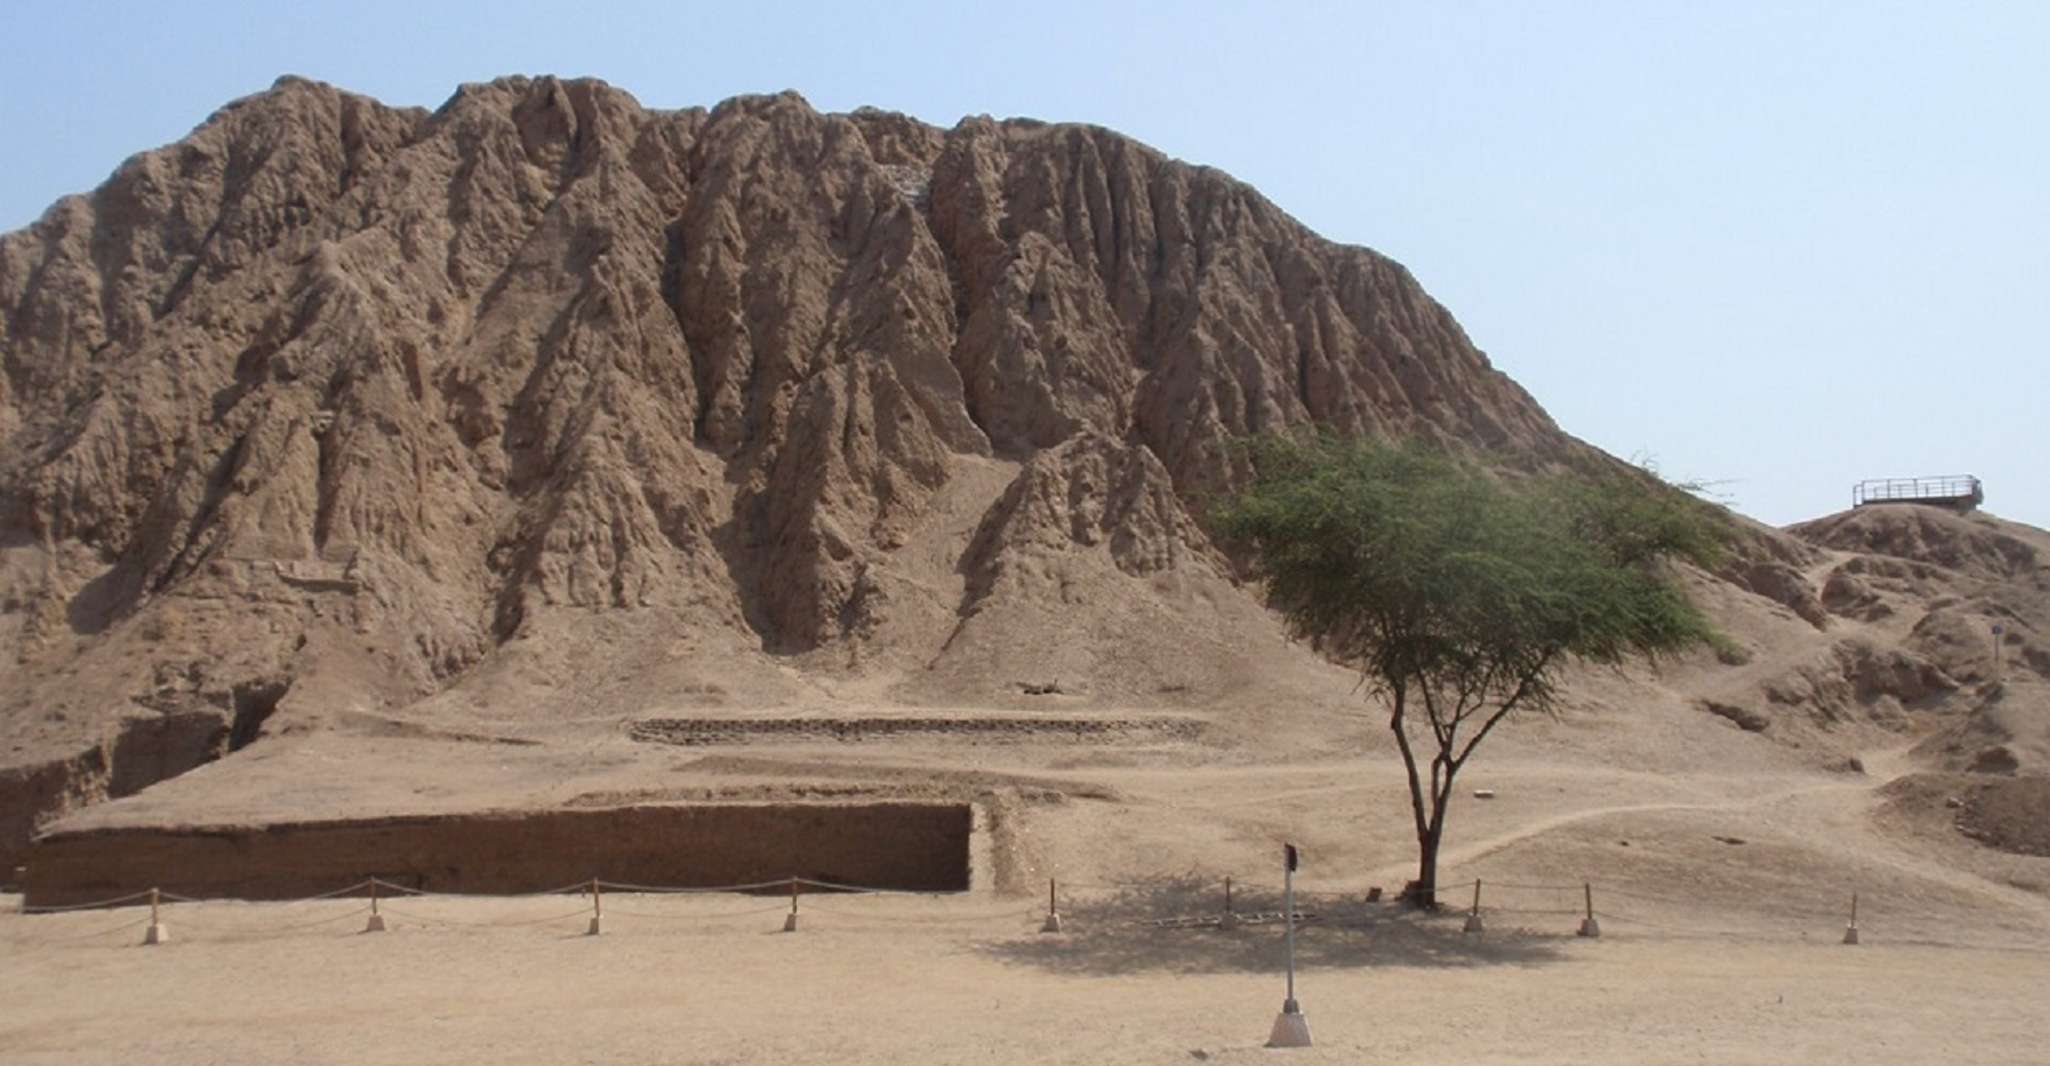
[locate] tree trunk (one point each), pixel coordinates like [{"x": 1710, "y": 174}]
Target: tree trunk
[
  {"x": 1427, "y": 867},
  {"x": 1432, "y": 833}
]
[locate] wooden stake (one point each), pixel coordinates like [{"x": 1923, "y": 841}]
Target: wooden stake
[
  {"x": 1053, "y": 910},
  {"x": 1588, "y": 926}
]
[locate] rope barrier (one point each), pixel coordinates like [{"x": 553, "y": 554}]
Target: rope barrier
[
  {"x": 136, "y": 924},
  {"x": 578, "y": 913},
  {"x": 251, "y": 934},
  {"x": 705, "y": 917},
  {"x": 579, "y": 886},
  {"x": 1337, "y": 902},
  {"x": 1644, "y": 896},
  {"x": 869, "y": 890},
  {"x": 921, "y": 920},
  {"x": 679, "y": 890},
  {"x": 94, "y": 905}
]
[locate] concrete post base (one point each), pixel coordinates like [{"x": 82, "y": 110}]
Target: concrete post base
[
  {"x": 1850, "y": 934},
  {"x": 1590, "y": 928},
  {"x": 1291, "y": 1028},
  {"x": 1474, "y": 923},
  {"x": 790, "y": 923},
  {"x": 375, "y": 924},
  {"x": 597, "y": 926},
  {"x": 1053, "y": 922},
  {"x": 156, "y": 934}
]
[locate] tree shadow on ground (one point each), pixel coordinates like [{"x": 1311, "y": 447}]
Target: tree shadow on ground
[{"x": 1116, "y": 933}]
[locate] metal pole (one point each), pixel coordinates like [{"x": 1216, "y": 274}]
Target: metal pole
[{"x": 1288, "y": 1006}]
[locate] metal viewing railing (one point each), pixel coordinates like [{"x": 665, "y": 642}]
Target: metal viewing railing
[{"x": 1947, "y": 489}]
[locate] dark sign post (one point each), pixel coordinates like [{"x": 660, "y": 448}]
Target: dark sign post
[
  {"x": 1291, "y": 1029},
  {"x": 1997, "y": 631}
]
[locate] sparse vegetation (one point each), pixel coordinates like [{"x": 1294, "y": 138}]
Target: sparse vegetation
[{"x": 1459, "y": 596}]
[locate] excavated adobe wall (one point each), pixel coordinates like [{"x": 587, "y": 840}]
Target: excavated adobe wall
[
  {"x": 139, "y": 753},
  {"x": 917, "y": 846}
]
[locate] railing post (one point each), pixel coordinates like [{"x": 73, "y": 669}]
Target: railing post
[
  {"x": 1473, "y": 916},
  {"x": 790, "y": 923},
  {"x": 156, "y": 933},
  {"x": 597, "y": 909},
  {"x": 376, "y": 922},
  {"x": 1588, "y": 926}
]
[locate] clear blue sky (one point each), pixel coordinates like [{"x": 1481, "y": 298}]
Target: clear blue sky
[{"x": 1787, "y": 245}]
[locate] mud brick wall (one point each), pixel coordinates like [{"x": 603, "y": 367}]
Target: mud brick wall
[{"x": 917, "y": 846}]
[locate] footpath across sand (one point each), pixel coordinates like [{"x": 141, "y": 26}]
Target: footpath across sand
[{"x": 920, "y": 979}]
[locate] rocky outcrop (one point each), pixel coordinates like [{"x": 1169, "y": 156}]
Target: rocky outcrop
[{"x": 544, "y": 348}]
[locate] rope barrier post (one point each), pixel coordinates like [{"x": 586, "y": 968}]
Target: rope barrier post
[
  {"x": 1230, "y": 920},
  {"x": 1473, "y": 916},
  {"x": 597, "y": 909},
  {"x": 1588, "y": 926},
  {"x": 156, "y": 933},
  {"x": 1851, "y": 930},
  {"x": 790, "y": 923},
  {"x": 376, "y": 922},
  {"x": 1053, "y": 908}
]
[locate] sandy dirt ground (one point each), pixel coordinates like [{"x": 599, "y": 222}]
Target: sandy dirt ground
[
  {"x": 1722, "y": 893},
  {"x": 969, "y": 979}
]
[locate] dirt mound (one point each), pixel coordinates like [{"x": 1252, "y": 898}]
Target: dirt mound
[
  {"x": 1976, "y": 545},
  {"x": 2003, "y": 730},
  {"x": 1857, "y": 679},
  {"x": 2009, "y": 815}
]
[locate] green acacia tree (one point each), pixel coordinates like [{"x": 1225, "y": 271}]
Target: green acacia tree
[{"x": 1459, "y": 595}]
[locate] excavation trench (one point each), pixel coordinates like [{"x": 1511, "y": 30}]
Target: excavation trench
[{"x": 922, "y": 847}]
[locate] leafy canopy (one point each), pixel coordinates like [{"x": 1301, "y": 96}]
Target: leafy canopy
[{"x": 1429, "y": 573}]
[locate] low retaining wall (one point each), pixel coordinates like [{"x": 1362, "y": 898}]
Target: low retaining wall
[{"x": 914, "y": 846}]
